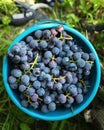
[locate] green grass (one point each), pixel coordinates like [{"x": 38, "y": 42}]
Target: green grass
[{"x": 79, "y": 14}]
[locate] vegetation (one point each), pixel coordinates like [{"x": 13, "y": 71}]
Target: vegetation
[{"x": 83, "y": 15}]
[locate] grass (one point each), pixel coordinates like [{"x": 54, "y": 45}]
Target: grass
[{"x": 79, "y": 15}]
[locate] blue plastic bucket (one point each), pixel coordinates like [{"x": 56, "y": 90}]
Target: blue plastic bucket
[{"x": 94, "y": 79}]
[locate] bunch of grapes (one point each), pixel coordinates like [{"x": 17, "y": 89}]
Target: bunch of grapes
[
  {"x": 50, "y": 70},
  {"x": 52, "y": 2}
]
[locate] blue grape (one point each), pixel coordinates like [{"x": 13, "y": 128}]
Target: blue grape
[
  {"x": 50, "y": 85},
  {"x": 79, "y": 89},
  {"x": 16, "y": 73},
  {"x": 16, "y": 49},
  {"x": 36, "y": 71},
  {"x": 14, "y": 85},
  {"x": 69, "y": 54},
  {"x": 36, "y": 84},
  {"x": 79, "y": 70},
  {"x": 12, "y": 79},
  {"x": 55, "y": 72},
  {"x": 24, "y": 103},
  {"x": 16, "y": 59},
  {"x": 79, "y": 98},
  {"x": 25, "y": 66},
  {"x": 48, "y": 55},
  {"x": 77, "y": 55},
  {"x": 22, "y": 52},
  {"x": 86, "y": 72},
  {"x": 53, "y": 97},
  {"x": 62, "y": 54},
  {"x": 47, "y": 77},
  {"x": 59, "y": 43},
  {"x": 79, "y": 84},
  {"x": 70, "y": 42},
  {"x": 58, "y": 86},
  {"x": 29, "y": 39},
  {"x": 72, "y": 67},
  {"x": 69, "y": 77},
  {"x": 74, "y": 48},
  {"x": 52, "y": 64},
  {"x": 92, "y": 56},
  {"x": 33, "y": 44},
  {"x": 24, "y": 59},
  {"x": 10, "y": 54},
  {"x": 41, "y": 76},
  {"x": 81, "y": 63},
  {"x": 72, "y": 89},
  {"x": 46, "y": 34},
  {"x": 47, "y": 99},
  {"x": 46, "y": 70},
  {"x": 62, "y": 81},
  {"x": 62, "y": 98},
  {"x": 38, "y": 34},
  {"x": 25, "y": 79},
  {"x": 32, "y": 77},
  {"x": 35, "y": 105},
  {"x": 45, "y": 61},
  {"x": 65, "y": 87},
  {"x": 70, "y": 100},
  {"x": 30, "y": 54},
  {"x": 52, "y": 106},
  {"x": 41, "y": 65},
  {"x": 84, "y": 90},
  {"x": 65, "y": 60},
  {"x": 43, "y": 44},
  {"x": 66, "y": 48},
  {"x": 67, "y": 105},
  {"x": 87, "y": 66},
  {"x": 40, "y": 91},
  {"x": 58, "y": 60},
  {"x": 85, "y": 56},
  {"x": 75, "y": 80},
  {"x": 55, "y": 51},
  {"x": 30, "y": 91},
  {"x": 44, "y": 109},
  {"x": 22, "y": 88}
]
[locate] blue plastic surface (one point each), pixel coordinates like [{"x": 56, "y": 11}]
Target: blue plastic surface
[{"x": 94, "y": 79}]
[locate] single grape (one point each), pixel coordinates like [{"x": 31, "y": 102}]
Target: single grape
[
  {"x": 16, "y": 59},
  {"x": 36, "y": 71},
  {"x": 43, "y": 44},
  {"x": 69, "y": 77},
  {"x": 14, "y": 85},
  {"x": 62, "y": 98},
  {"x": 85, "y": 56},
  {"x": 69, "y": 54},
  {"x": 24, "y": 103},
  {"x": 58, "y": 60},
  {"x": 22, "y": 52},
  {"x": 48, "y": 77},
  {"x": 35, "y": 105},
  {"x": 23, "y": 58},
  {"x": 46, "y": 34},
  {"x": 77, "y": 55},
  {"x": 25, "y": 79},
  {"x": 47, "y": 99},
  {"x": 25, "y": 66},
  {"x": 65, "y": 87},
  {"x": 62, "y": 81},
  {"x": 55, "y": 51},
  {"x": 32, "y": 77},
  {"x": 38, "y": 34},
  {"x": 86, "y": 72},
  {"x": 36, "y": 84},
  {"x": 22, "y": 88},
  {"x": 55, "y": 72},
  {"x": 80, "y": 63},
  {"x": 12, "y": 79},
  {"x": 41, "y": 92},
  {"x": 33, "y": 44},
  {"x": 48, "y": 55},
  {"x": 72, "y": 89},
  {"x": 50, "y": 85},
  {"x": 29, "y": 38},
  {"x": 16, "y": 49},
  {"x": 44, "y": 109},
  {"x": 30, "y": 91},
  {"x": 16, "y": 73},
  {"x": 74, "y": 48},
  {"x": 65, "y": 60},
  {"x": 58, "y": 86},
  {"x": 79, "y": 98},
  {"x": 52, "y": 106},
  {"x": 92, "y": 56},
  {"x": 79, "y": 89},
  {"x": 66, "y": 48},
  {"x": 42, "y": 75},
  {"x": 70, "y": 100},
  {"x": 52, "y": 64},
  {"x": 34, "y": 97},
  {"x": 45, "y": 61},
  {"x": 87, "y": 66}
]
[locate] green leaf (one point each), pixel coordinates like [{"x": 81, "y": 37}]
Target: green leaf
[
  {"x": 24, "y": 126},
  {"x": 62, "y": 125}
]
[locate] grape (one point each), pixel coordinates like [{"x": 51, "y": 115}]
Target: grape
[
  {"x": 75, "y": 80},
  {"x": 53, "y": 96},
  {"x": 35, "y": 105},
  {"x": 64, "y": 34},
  {"x": 72, "y": 67},
  {"x": 69, "y": 54},
  {"x": 69, "y": 77},
  {"x": 29, "y": 38},
  {"x": 52, "y": 64},
  {"x": 12, "y": 79},
  {"x": 53, "y": 31},
  {"x": 32, "y": 78},
  {"x": 50, "y": 85},
  {"x": 67, "y": 105},
  {"x": 16, "y": 59},
  {"x": 25, "y": 79},
  {"x": 87, "y": 66},
  {"x": 58, "y": 60},
  {"x": 36, "y": 71},
  {"x": 24, "y": 103},
  {"x": 59, "y": 43},
  {"x": 66, "y": 48},
  {"x": 77, "y": 55},
  {"x": 62, "y": 81},
  {"x": 38, "y": 34},
  {"x": 43, "y": 44},
  {"x": 74, "y": 48},
  {"x": 30, "y": 91},
  {"x": 22, "y": 88},
  {"x": 58, "y": 86},
  {"x": 47, "y": 99},
  {"x": 16, "y": 73},
  {"x": 70, "y": 100},
  {"x": 40, "y": 91},
  {"x": 14, "y": 85},
  {"x": 22, "y": 52},
  {"x": 34, "y": 97},
  {"x": 45, "y": 61},
  {"x": 41, "y": 65},
  {"x": 55, "y": 51},
  {"x": 33, "y": 44},
  {"x": 86, "y": 72},
  {"x": 47, "y": 77},
  {"x": 65, "y": 61},
  {"x": 65, "y": 87},
  {"x": 52, "y": 106},
  {"x": 46, "y": 34},
  {"x": 24, "y": 59},
  {"x": 62, "y": 98},
  {"x": 48, "y": 54},
  {"x": 70, "y": 43},
  {"x": 80, "y": 63},
  {"x": 44, "y": 109},
  {"x": 85, "y": 90},
  {"x": 79, "y": 84},
  {"x": 41, "y": 76},
  {"x": 10, "y": 55},
  {"x": 92, "y": 56},
  {"x": 36, "y": 84},
  {"x": 80, "y": 70},
  {"x": 79, "y": 90},
  {"x": 30, "y": 54},
  {"x": 72, "y": 89},
  {"x": 25, "y": 66},
  {"x": 62, "y": 54},
  {"x": 79, "y": 98},
  {"x": 16, "y": 49},
  {"x": 55, "y": 72},
  {"x": 85, "y": 56}
]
